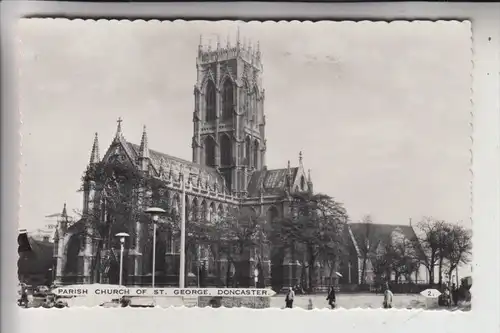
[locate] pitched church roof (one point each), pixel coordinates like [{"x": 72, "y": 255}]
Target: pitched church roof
[
  {"x": 271, "y": 182},
  {"x": 379, "y": 233},
  {"x": 167, "y": 163},
  {"x": 38, "y": 260}
]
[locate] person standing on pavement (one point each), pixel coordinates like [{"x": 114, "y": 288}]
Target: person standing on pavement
[
  {"x": 24, "y": 297},
  {"x": 331, "y": 297},
  {"x": 454, "y": 294},
  {"x": 388, "y": 295},
  {"x": 290, "y": 296}
]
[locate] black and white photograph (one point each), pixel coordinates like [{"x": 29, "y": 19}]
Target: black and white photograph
[{"x": 263, "y": 165}]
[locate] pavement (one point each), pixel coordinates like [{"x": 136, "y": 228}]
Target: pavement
[{"x": 353, "y": 301}]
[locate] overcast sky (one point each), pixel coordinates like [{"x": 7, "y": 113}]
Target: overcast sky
[{"x": 381, "y": 111}]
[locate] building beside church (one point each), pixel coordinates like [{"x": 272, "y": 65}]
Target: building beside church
[
  {"x": 228, "y": 170},
  {"x": 365, "y": 243}
]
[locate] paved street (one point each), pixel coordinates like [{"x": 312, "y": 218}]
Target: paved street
[{"x": 351, "y": 301}]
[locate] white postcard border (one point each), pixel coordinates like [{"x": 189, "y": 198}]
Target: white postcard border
[{"x": 486, "y": 187}]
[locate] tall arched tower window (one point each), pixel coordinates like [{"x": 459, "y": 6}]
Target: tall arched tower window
[
  {"x": 227, "y": 100},
  {"x": 210, "y": 102},
  {"x": 245, "y": 102},
  {"x": 225, "y": 150},
  {"x": 248, "y": 151},
  {"x": 209, "y": 151},
  {"x": 256, "y": 154},
  {"x": 254, "y": 107}
]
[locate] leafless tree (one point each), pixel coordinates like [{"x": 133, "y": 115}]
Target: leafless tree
[
  {"x": 459, "y": 248},
  {"x": 430, "y": 238}
]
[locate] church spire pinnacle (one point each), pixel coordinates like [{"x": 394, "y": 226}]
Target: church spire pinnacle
[
  {"x": 300, "y": 158},
  {"x": 63, "y": 220},
  {"x": 238, "y": 38},
  {"x": 144, "y": 150},
  {"x": 64, "y": 213},
  {"x": 119, "y": 128},
  {"x": 94, "y": 156}
]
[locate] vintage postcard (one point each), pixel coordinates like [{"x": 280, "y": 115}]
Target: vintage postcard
[{"x": 232, "y": 164}]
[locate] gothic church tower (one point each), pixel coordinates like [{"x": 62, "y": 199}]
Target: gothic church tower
[{"x": 229, "y": 121}]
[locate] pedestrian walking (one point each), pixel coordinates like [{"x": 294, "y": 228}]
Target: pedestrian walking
[
  {"x": 24, "y": 297},
  {"x": 331, "y": 297},
  {"x": 388, "y": 295},
  {"x": 310, "y": 305},
  {"x": 454, "y": 294},
  {"x": 290, "y": 296}
]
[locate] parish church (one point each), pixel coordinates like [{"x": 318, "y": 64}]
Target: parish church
[{"x": 228, "y": 170}]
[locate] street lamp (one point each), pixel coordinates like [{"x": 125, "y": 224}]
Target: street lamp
[
  {"x": 122, "y": 236},
  {"x": 182, "y": 256},
  {"x": 155, "y": 213}
]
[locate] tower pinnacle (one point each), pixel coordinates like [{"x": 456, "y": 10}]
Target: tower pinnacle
[
  {"x": 64, "y": 213},
  {"x": 94, "y": 156},
  {"x": 143, "y": 150}
]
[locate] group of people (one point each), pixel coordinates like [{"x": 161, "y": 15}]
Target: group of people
[
  {"x": 451, "y": 296},
  {"x": 290, "y": 297},
  {"x": 332, "y": 299},
  {"x": 49, "y": 300}
]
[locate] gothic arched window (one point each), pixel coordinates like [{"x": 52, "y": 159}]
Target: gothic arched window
[
  {"x": 175, "y": 205},
  {"x": 209, "y": 151},
  {"x": 204, "y": 211},
  {"x": 225, "y": 150},
  {"x": 210, "y": 102},
  {"x": 194, "y": 210},
  {"x": 220, "y": 212},
  {"x": 227, "y": 100},
  {"x": 74, "y": 245},
  {"x": 248, "y": 150},
  {"x": 272, "y": 214},
  {"x": 256, "y": 154},
  {"x": 211, "y": 212},
  {"x": 302, "y": 183},
  {"x": 249, "y": 212}
]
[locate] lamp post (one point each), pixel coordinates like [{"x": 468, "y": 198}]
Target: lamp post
[
  {"x": 182, "y": 257},
  {"x": 155, "y": 214},
  {"x": 122, "y": 236}
]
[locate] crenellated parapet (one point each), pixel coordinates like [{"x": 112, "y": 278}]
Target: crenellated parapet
[{"x": 208, "y": 53}]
